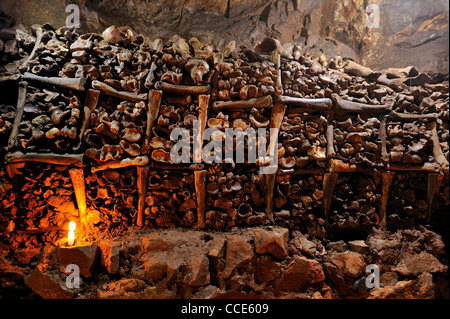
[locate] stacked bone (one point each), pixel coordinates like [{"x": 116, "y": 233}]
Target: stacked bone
[
  {"x": 112, "y": 197},
  {"x": 47, "y": 200},
  {"x": 7, "y": 114},
  {"x": 303, "y": 141},
  {"x": 407, "y": 200},
  {"x": 15, "y": 47},
  {"x": 307, "y": 77},
  {"x": 409, "y": 142},
  {"x": 357, "y": 139},
  {"x": 171, "y": 199},
  {"x": 356, "y": 203},
  {"x": 116, "y": 131},
  {"x": 246, "y": 77},
  {"x": 173, "y": 114},
  {"x": 299, "y": 203},
  {"x": 235, "y": 196},
  {"x": 50, "y": 122}
]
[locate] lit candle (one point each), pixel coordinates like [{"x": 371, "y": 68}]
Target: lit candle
[{"x": 71, "y": 238}]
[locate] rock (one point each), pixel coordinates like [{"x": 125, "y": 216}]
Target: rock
[
  {"x": 338, "y": 246},
  {"x": 24, "y": 256},
  {"x": 238, "y": 253},
  {"x": 109, "y": 256},
  {"x": 306, "y": 246},
  {"x": 359, "y": 246},
  {"x": 197, "y": 273},
  {"x": 389, "y": 278},
  {"x": 82, "y": 256},
  {"x": 412, "y": 265},
  {"x": 46, "y": 286},
  {"x": 208, "y": 292},
  {"x": 421, "y": 288},
  {"x": 132, "y": 288},
  {"x": 272, "y": 241},
  {"x": 350, "y": 263},
  {"x": 266, "y": 270},
  {"x": 300, "y": 274}
]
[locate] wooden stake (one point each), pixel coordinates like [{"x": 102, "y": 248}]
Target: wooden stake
[
  {"x": 200, "y": 188},
  {"x": 78, "y": 182},
  {"x": 12, "y": 142},
  {"x": 142, "y": 180},
  {"x": 386, "y": 182},
  {"x": 434, "y": 183},
  {"x": 154, "y": 103}
]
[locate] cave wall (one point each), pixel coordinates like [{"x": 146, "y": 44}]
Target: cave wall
[{"x": 411, "y": 32}]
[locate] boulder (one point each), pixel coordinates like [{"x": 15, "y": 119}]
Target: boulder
[
  {"x": 82, "y": 256},
  {"x": 420, "y": 288},
  {"x": 238, "y": 253},
  {"x": 350, "y": 263},
  {"x": 300, "y": 274},
  {"x": 412, "y": 265},
  {"x": 46, "y": 286},
  {"x": 359, "y": 246},
  {"x": 272, "y": 242},
  {"x": 109, "y": 256}
]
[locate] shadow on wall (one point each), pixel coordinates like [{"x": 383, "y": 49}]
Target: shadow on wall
[{"x": 377, "y": 33}]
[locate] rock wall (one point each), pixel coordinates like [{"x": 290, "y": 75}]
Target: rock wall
[{"x": 410, "y": 32}]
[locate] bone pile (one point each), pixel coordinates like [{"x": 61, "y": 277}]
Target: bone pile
[
  {"x": 234, "y": 197},
  {"x": 115, "y": 98},
  {"x": 113, "y": 198},
  {"x": 170, "y": 192},
  {"x": 356, "y": 202}
]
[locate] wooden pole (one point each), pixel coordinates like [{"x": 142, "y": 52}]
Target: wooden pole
[
  {"x": 329, "y": 182},
  {"x": 386, "y": 182},
  {"x": 200, "y": 188},
  {"x": 142, "y": 181}
]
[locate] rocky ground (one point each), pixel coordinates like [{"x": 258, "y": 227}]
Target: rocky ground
[{"x": 269, "y": 262}]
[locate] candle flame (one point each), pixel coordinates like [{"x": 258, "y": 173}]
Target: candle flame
[{"x": 72, "y": 226}]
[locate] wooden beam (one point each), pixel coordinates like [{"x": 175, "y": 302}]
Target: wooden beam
[
  {"x": 200, "y": 188},
  {"x": 329, "y": 182},
  {"x": 386, "y": 182},
  {"x": 268, "y": 199},
  {"x": 350, "y": 106},
  {"x": 142, "y": 181}
]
